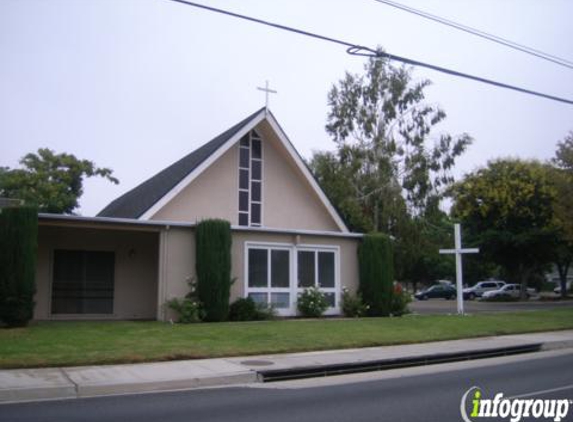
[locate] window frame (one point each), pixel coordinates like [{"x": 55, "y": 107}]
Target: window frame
[
  {"x": 268, "y": 290},
  {"x": 52, "y": 282},
  {"x": 293, "y": 288},
  {"x": 251, "y": 137}
]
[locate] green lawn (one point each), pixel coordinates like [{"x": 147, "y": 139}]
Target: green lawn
[{"x": 83, "y": 343}]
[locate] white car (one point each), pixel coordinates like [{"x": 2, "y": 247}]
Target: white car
[
  {"x": 558, "y": 288},
  {"x": 509, "y": 290},
  {"x": 481, "y": 287}
]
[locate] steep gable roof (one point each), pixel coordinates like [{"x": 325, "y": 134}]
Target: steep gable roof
[
  {"x": 137, "y": 201},
  {"x": 143, "y": 201}
]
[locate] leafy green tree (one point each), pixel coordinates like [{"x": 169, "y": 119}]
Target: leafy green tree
[
  {"x": 562, "y": 179},
  {"x": 52, "y": 182},
  {"x": 417, "y": 257},
  {"x": 508, "y": 208},
  {"x": 564, "y": 154},
  {"x": 382, "y": 128}
]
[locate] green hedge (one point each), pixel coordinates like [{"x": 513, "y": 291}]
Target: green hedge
[
  {"x": 213, "y": 266},
  {"x": 18, "y": 244},
  {"x": 375, "y": 256}
]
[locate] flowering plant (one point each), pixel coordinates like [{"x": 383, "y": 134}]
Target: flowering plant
[
  {"x": 312, "y": 303},
  {"x": 353, "y": 306}
]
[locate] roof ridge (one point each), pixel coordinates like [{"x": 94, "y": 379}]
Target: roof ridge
[{"x": 142, "y": 197}]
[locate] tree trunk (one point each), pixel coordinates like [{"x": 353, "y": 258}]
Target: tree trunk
[
  {"x": 563, "y": 269},
  {"x": 523, "y": 273}
]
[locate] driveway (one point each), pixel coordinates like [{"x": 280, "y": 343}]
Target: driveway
[{"x": 442, "y": 306}]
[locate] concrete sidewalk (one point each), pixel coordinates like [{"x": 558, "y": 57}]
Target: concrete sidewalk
[{"x": 64, "y": 383}]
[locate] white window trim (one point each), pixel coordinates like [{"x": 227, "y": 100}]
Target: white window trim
[
  {"x": 337, "y": 288},
  {"x": 293, "y": 288},
  {"x": 250, "y": 180}
]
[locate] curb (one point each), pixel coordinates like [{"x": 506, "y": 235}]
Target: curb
[
  {"x": 95, "y": 390},
  {"x": 273, "y": 375},
  {"x": 28, "y": 385},
  {"x": 58, "y": 384}
]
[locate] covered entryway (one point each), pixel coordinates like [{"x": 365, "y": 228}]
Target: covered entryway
[{"x": 96, "y": 270}]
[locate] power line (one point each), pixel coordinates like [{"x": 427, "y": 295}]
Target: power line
[
  {"x": 358, "y": 50},
  {"x": 482, "y": 34}
]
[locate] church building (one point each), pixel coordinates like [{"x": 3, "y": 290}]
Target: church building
[{"x": 139, "y": 251}]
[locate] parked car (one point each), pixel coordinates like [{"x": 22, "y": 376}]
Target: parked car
[
  {"x": 508, "y": 291},
  {"x": 444, "y": 291},
  {"x": 558, "y": 288},
  {"x": 481, "y": 287}
]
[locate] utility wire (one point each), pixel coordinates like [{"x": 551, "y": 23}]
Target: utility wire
[
  {"x": 358, "y": 50},
  {"x": 482, "y": 34}
]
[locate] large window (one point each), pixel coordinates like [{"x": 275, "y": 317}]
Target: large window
[
  {"x": 276, "y": 273},
  {"x": 250, "y": 180},
  {"x": 269, "y": 276},
  {"x": 83, "y": 282},
  {"x": 317, "y": 268}
]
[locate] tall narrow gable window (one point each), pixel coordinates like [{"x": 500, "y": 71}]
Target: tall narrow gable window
[{"x": 250, "y": 180}]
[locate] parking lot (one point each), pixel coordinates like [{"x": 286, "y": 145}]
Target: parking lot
[{"x": 442, "y": 306}]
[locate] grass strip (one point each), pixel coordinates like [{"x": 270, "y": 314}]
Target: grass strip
[{"x": 45, "y": 344}]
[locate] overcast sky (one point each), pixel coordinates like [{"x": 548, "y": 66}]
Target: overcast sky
[{"x": 136, "y": 84}]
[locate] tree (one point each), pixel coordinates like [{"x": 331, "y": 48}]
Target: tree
[
  {"x": 382, "y": 126},
  {"x": 18, "y": 243},
  {"x": 564, "y": 154},
  {"x": 508, "y": 209},
  {"x": 52, "y": 182},
  {"x": 417, "y": 256},
  {"x": 376, "y": 273},
  {"x": 213, "y": 266},
  {"x": 562, "y": 180}
]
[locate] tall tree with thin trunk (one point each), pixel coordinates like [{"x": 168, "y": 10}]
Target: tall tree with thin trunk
[{"x": 389, "y": 161}]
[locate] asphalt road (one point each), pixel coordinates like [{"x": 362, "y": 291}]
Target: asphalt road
[
  {"x": 442, "y": 306},
  {"x": 431, "y": 396}
]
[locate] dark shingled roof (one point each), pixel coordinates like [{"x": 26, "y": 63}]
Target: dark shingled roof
[{"x": 137, "y": 201}]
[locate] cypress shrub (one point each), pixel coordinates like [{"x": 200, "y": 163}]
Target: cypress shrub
[
  {"x": 213, "y": 267},
  {"x": 18, "y": 245},
  {"x": 375, "y": 257}
]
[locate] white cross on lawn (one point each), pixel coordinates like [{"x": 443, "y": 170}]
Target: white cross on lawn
[{"x": 459, "y": 251}]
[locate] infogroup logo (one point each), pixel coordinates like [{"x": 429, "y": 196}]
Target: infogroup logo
[{"x": 513, "y": 409}]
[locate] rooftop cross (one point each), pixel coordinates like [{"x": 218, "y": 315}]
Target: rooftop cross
[
  {"x": 267, "y": 91},
  {"x": 458, "y": 251}
]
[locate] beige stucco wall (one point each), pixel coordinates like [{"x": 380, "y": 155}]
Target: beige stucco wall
[
  {"x": 177, "y": 249},
  {"x": 177, "y": 267},
  {"x": 289, "y": 202},
  {"x": 214, "y": 194},
  {"x": 136, "y": 263},
  {"x": 348, "y": 256},
  {"x": 153, "y": 267}
]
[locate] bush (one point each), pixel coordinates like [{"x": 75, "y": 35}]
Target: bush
[
  {"x": 188, "y": 310},
  {"x": 213, "y": 266},
  {"x": 375, "y": 258},
  {"x": 246, "y": 309},
  {"x": 18, "y": 244},
  {"x": 312, "y": 303},
  {"x": 353, "y": 306},
  {"x": 400, "y": 301}
]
